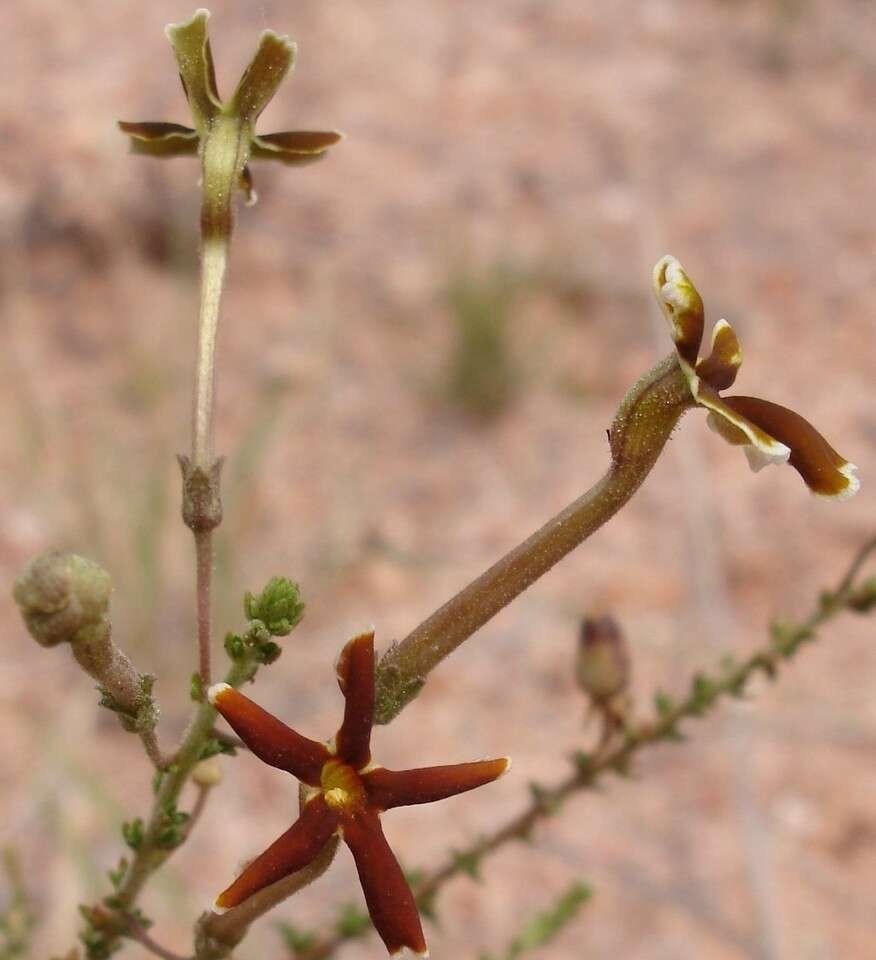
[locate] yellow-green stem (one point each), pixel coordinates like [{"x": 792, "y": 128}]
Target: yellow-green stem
[{"x": 214, "y": 258}]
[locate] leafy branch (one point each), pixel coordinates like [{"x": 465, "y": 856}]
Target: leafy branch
[{"x": 545, "y": 926}]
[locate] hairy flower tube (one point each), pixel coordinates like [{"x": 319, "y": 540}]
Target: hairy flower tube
[
  {"x": 767, "y": 432},
  {"x": 273, "y": 59},
  {"x": 345, "y": 794}
]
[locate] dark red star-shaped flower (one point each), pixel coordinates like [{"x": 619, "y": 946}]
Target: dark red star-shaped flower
[{"x": 349, "y": 792}]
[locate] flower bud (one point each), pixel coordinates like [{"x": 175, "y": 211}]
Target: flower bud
[
  {"x": 279, "y": 606},
  {"x": 64, "y": 598},
  {"x": 602, "y": 668},
  {"x": 207, "y": 773}
]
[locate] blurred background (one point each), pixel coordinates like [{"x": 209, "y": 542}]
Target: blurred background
[{"x": 424, "y": 340}]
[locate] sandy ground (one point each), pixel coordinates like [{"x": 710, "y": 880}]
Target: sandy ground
[{"x": 573, "y": 144}]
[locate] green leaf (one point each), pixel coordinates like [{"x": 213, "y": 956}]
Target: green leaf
[
  {"x": 468, "y": 862},
  {"x": 234, "y": 646},
  {"x": 117, "y": 875},
  {"x": 542, "y": 799},
  {"x": 132, "y": 833},
  {"x": 544, "y": 927},
  {"x": 583, "y": 762},
  {"x": 172, "y": 831},
  {"x": 298, "y": 941},
  {"x": 663, "y": 704},
  {"x": 352, "y": 922},
  {"x": 213, "y": 746},
  {"x": 268, "y": 652}
]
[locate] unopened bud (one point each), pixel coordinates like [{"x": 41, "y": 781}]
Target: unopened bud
[
  {"x": 64, "y": 598},
  {"x": 602, "y": 668},
  {"x": 278, "y": 607},
  {"x": 207, "y": 773}
]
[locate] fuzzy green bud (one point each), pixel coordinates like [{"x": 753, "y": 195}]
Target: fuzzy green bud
[
  {"x": 64, "y": 598},
  {"x": 279, "y": 606}
]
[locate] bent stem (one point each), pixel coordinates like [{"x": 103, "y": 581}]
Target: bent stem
[{"x": 642, "y": 425}]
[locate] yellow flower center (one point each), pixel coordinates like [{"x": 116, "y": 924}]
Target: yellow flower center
[{"x": 341, "y": 785}]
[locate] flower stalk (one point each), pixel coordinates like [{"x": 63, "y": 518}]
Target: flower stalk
[{"x": 644, "y": 422}]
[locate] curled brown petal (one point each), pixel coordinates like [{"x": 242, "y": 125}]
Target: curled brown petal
[
  {"x": 291, "y": 852},
  {"x": 823, "y": 470},
  {"x": 683, "y": 308},
  {"x": 297, "y": 141},
  {"x": 269, "y": 738},
  {"x": 399, "y": 788},
  {"x": 271, "y": 62},
  {"x": 191, "y": 44},
  {"x": 719, "y": 369},
  {"x": 269, "y": 147},
  {"x": 161, "y": 139},
  {"x": 761, "y": 447},
  {"x": 390, "y": 901},
  {"x": 355, "y": 670}
]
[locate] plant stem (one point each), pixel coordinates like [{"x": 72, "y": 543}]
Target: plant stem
[
  {"x": 149, "y": 740},
  {"x": 142, "y": 937},
  {"x": 218, "y": 934},
  {"x": 641, "y": 427},
  {"x": 214, "y": 259},
  {"x": 203, "y": 589},
  {"x": 224, "y": 154},
  {"x": 116, "y": 917}
]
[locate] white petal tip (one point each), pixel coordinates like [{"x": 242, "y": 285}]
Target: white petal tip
[
  {"x": 758, "y": 457},
  {"x": 215, "y": 908},
  {"x": 849, "y": 490},
  {"x": 508, "y": 765},
  {"x": 216, "y": 691},
  {"x": 172, "y": 28}
]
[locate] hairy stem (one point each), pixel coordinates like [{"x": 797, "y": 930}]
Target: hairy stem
[
  {"x": 149, "y": 740},
  {"x": 117, "y": 918},
  {"x": 142, "y": 937},
  {"x": 203, "y": 589},
  {"x": 643, "y": 424}
]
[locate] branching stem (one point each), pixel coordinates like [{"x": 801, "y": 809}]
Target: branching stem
[{"x": 141, "y": 935}]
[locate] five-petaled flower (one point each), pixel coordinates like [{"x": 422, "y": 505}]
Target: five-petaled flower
[
  {"x": 346, "y": 793},
  {"x": 768, "y": 432},
  {"x": 273, "y": 59}
]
